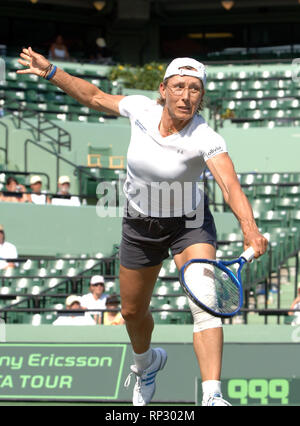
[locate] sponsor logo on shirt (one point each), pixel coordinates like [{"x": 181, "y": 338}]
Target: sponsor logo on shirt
[
  {"x": 139, "y": 124},
  {"x": 214, "y": 151}
]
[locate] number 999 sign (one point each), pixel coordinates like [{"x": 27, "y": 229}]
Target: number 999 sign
[{"x": 263, "y": 391}]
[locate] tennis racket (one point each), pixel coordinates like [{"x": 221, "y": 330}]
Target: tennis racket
[{"x": 213, "y": 286}]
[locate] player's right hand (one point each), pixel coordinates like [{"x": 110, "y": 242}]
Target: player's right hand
[{"x": 36, "y": 64}]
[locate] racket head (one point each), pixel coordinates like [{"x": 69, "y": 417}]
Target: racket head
[{"x": 225, "y": 296}]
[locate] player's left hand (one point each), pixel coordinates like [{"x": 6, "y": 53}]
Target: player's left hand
[
  {"x": 256, "y": 240},
  {"x": 37, "y": 64}
]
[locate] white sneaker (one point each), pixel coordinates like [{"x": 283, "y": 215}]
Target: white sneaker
[
  {"x": 216, "y": 400},
  {"x": 144, "y": 388}
]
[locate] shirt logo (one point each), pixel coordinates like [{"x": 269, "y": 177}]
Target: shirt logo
[
  {"x": 214, "y": 150},
  {"x": 139, "y": 124}
]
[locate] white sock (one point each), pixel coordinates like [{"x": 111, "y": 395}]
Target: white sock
[
  {"x": 143, "y": 361},
  {"x": 210, "y": 387}
]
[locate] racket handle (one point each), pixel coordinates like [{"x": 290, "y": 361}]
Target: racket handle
[{"x": 248, "y": 255}]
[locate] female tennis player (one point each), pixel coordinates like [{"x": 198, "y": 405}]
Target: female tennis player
[{"x": 170, "y": 143}]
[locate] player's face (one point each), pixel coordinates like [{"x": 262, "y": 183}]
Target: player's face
[{"x": 183, "y": 95}]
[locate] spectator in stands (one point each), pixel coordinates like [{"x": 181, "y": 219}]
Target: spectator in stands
[
  {"x": 296, "y": 305},
  {"x": 64, "y": 198},
  {"x": 7, "y": 251},
  {"x": 113, "y": 318},
  {"x": 14, "y": 192},
  {"x": 59, "y": 50},
  {"x": 73, "y": 303},
  {"x": 96, "y": 298},
  {"x": 37, "y": 196},
  {"x": 100, "y": 54}
]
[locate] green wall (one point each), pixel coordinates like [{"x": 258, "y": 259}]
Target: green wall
[
  {"x": 250, "y": 352},
  {"x": 264, "y": 150},
  {"x": 50, "y": 230}
]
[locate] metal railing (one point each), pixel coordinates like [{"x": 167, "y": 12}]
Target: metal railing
[
  {"x": 5, "y": 149},
  {"x": 78, "y": 170},
  {"x": 43, "y": 127}
]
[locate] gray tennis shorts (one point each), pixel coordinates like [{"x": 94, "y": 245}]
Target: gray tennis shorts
[{"x": 146, "y": 240}]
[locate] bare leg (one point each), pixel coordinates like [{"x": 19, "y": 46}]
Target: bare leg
[
  {"x": 136, "y": 288},
  {"x": 208, "y": 344}
]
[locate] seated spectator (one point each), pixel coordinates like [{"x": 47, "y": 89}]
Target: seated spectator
[
  {"x": 296, "y": 305},
  {"x": 113, "y": 318},
  {"x": 59, "y": 50},
  {"x": 13, "y": 193},
  {"x": 96, "y": 298},
  {"x": 73, "y": 303},
  {"x": 100, "y": 53},
  {"x": 64, "y": 198},
  {"x": 37, "y": 196},
  {"x": 7, "y": 251}
]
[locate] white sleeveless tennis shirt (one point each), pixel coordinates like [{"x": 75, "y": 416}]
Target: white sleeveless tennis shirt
[{"x": 163, "y": 172}]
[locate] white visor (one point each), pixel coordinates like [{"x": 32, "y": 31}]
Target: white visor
[{"x": 176, "y": 67}]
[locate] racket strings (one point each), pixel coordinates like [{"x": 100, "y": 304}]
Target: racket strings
[
  {"x": 213, "y": 288},
  {"x": 227, "y": 293}
]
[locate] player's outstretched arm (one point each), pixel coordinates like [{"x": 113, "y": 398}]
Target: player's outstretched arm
[
  {"x": 222, "y": 168},
  {"x": 84, "y": 92}
]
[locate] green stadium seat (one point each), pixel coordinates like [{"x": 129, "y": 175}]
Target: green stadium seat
[
  {"x": 5, "y": 290},
  {"x": 249, "y": 191},
  {"x": 287, "y": 203},
  {"x": 79, "y": 109},
  {"x": 272, "y": 219},
  {"x": 267, "y": 191},
  {"x": 29, "y": 78},
  {"x": 232, "y": 236},
  {"x": 13, "y": 64},
  {"x": 277, "y": 178},
  {"x": 32, "y": 319},
  {"x": 295, "y": 177},
  {"x": 166, "y": 317},
  {"x": 32, "y": 106},
  {"x": 287, "y": 241},
  {"x": 95, "y": 119},
  {"x": 288, "y": 319},
  {"x": 21, "y": 285},
  {"x": 170, "y": 267},
  {"x": 182, "y": 318},
  {"x": 48, "y": 318},
  {"x": 180, "y": 302},
  {"x": 16, "y": 95},
  {"x": 79, "y": 119},
  {"x": 262, "y": 204},
  {"x": 251, "y": 178},
  {"x": 41, "y": 87},
  {"x": 163, "y": 318},
  {"x": 50, "y": 283},
  {"x": 174, "y": 286},
  {"x": 291, "y": 191},
  {"x": 75, "y": 71},
  {"x": 295, "y": 218}
]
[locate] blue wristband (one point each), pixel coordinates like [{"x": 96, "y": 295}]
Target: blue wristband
[{"x": 52, "y": 73}]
